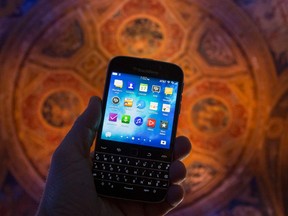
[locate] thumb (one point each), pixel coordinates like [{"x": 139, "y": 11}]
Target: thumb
[{"x": 79, "y": 139}]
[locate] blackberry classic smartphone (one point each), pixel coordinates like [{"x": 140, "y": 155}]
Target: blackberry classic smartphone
[{"x": 134, "y": 144}]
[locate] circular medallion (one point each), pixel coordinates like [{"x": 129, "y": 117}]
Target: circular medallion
[
  {"x": 217, "y": 117},
  {"x": 141, "y": 36},
  {"x": 275, "y": 127},
  {"x": 210, "y": 115},
  {"x": 142, "y": 28},
  {"x": 60, "y": 109}
]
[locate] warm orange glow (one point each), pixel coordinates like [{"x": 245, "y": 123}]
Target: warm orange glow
[{"x": 234, "y": 108}]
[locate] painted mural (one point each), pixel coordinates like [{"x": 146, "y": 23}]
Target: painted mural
[{"x": 53, "y": 57}]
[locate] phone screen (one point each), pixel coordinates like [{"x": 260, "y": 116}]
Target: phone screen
[{"x": 140, "y": 110}]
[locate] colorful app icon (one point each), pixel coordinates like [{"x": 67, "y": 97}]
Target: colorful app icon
[
  {"x": 151, "y": 123},
  {"x": 128, "y": 102},
  {"x": 156, "y": 88},
  {"x": 113, "y": 117},
  {"x": 130, "y": 86},
  {"x": 118, "y": 83},
  {"x": 166, "y": 107},
  {"x": 115, "y": 100},
  {"x": 153, "y": 106},
  {"x": 138, "y": 121},
  {"x": 143, "y": 87},
  {"x": 108, "y": 134},
  {"x": 168, "y": 91},
  {"x": 141, "y": 104},
  {"x": 164, "y": 124},
  {"x": 125, "y": 119}
]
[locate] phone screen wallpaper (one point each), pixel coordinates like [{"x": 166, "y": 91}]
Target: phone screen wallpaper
[{"x": 140, "y": 110}]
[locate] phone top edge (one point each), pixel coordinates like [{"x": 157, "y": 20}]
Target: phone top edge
[{"x": 141, "y": 64}]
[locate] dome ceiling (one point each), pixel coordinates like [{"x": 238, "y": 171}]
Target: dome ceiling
[{"x": 58, "y": 57}]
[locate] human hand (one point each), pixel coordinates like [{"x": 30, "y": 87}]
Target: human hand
[{"x": 70, "y": 188}]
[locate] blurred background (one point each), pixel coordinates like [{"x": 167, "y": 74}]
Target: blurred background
[{"x": 53, "y": 57}]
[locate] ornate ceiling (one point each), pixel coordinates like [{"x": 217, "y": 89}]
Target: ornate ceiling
[{"x": 234, "y": 101}]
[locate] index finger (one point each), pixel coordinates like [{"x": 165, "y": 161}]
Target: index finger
[{"x": 182, "y": 148}]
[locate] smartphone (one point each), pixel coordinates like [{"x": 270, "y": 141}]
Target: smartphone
[{"x": 133, "y": 151}]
